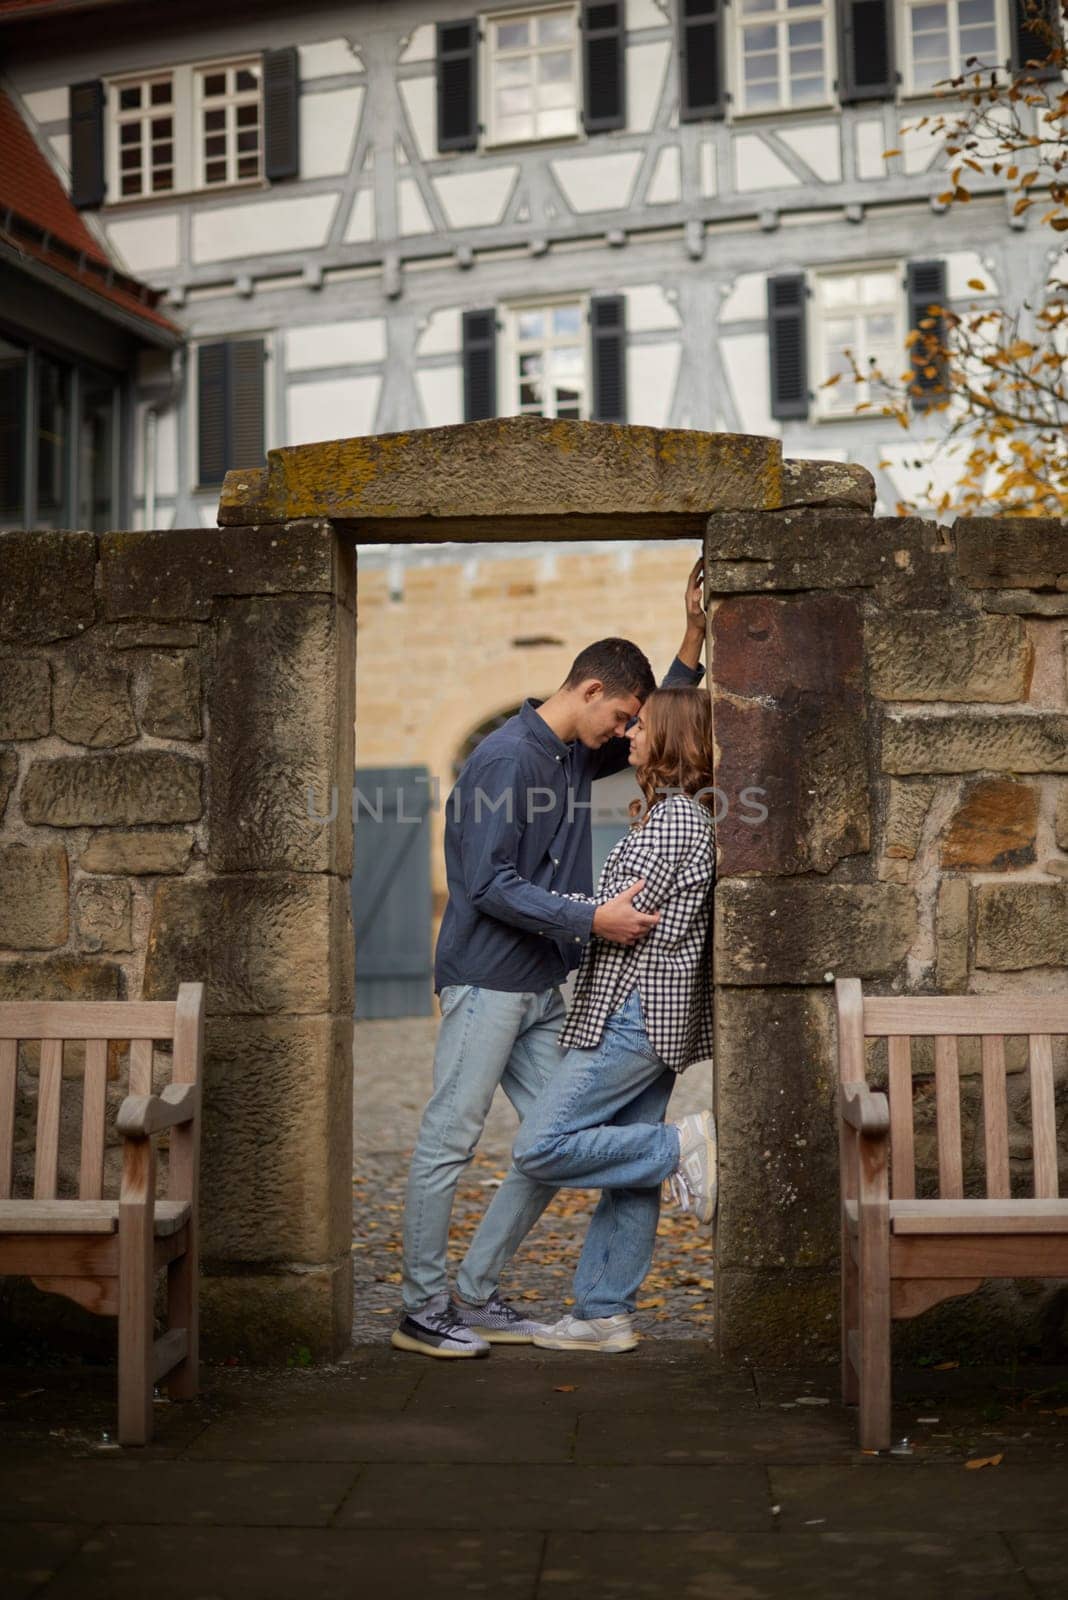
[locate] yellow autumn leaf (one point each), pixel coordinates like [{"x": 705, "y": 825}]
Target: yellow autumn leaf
[
  {"x": 984, "y": 1461},
  {"x": 977, "y": 283},
  {"x": 945, "y": 1366},
  {"x": 888, "y": 153},
  {"x": 564, "y": 1388},
  {"x": 651, "y": 1305}
]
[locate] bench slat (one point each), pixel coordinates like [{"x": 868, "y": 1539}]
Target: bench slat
[
  {"x": 902, "y": 1151},
  {"x": 83, "y": 1216},
  {"x": 94, "y": 1112},
  {"x": 979, "y": 1216},
  {"x": 141, "y": 1066},
  {"x": 9, "y": 1061},
  {"x": 87, "y": 1019},
  {"x": 947, "y": 1103},
  {"x": 965, "y": 1013},
  {"x": 49, "y": 1097},
  {"x": 995, "y": 1117},
  {"x": 1043, "y": 1117}
]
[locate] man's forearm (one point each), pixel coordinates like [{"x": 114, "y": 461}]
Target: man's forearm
[{"x": 693, "y": 642}]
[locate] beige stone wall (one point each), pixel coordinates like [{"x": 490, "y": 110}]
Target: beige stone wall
[{"x": 166, "y": 699}]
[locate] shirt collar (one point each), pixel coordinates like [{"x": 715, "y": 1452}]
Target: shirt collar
[{"x": 541, "y": 731}]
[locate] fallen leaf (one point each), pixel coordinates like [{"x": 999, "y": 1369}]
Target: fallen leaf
[
  {"x": 984, "y": 1461},
  {"x": 651, "y": 1305},
  {"x": 944, "y": 1366},
  {"x": 565, "y": 1388}
]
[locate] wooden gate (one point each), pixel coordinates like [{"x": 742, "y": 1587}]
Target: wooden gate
[{"x": 391, "y": 895}]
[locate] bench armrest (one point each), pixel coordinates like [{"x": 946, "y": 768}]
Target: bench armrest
[
  {"x": 142, "y": 1115},
  {"x": 864, "y": 1110}
]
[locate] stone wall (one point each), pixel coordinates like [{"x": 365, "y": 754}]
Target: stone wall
[
  {"x": 900, "y": 691},
  {"x": 166, "y": 699}
]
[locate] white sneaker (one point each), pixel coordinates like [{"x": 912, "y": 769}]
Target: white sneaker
[
  {"x": 693, "y": 1185},
  {"x": 611, "y": 1335}
]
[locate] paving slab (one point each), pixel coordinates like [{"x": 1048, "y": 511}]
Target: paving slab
[
  {"x": 34, "y": 1553},
  {"x": 1044, "y": 1557},
  {"x": 603, "y": 1497},
  {"x": 121, "y": 1563},
  {"x": 723, "y": 1435},
  {"x": 447, "y": 1435},
  {"x": 745, "y": 1566},
  {"x": 912, "y": 1494}
]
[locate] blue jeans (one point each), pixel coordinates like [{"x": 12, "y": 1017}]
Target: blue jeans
[
  {"x": 487, "y": 1037},
  {"x": 598, "y": 1124}
]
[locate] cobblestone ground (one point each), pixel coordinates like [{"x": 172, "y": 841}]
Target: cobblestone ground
[{"x": 393, "y": 1063}]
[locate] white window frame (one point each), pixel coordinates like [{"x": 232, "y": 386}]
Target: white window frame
[
  {"x": 188, "y": 140},
  {"x": 229, "y": 104},
  {"x": 118, "y": 119},
  {"x": 491, "y": 137},
  {"x": 510, "y": 347},
  {"x": 909, "y": 87},
  {"x": 738, "y": 22},
  {"x": 824, "y": 409}
]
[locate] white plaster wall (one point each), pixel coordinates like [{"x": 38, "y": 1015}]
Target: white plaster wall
[
  {"x": 962, "y": 265},
  {"x": 745, "y": 360},
  {"x": 335, "y": 344},
  {"x": 665, "y": 185},
  {"x": 871, "y": 142},
  {"x": 598, "y": 183},
  {"x": 145, "y": 244},
  {"x": 413, "y": 216},
  {"x": 819, "y": 144},
  {"x": 341, "y": 408},
  {"x": 441, "y": 392},
  {"x": 709, "y": 180},
  {"x": 649, "y": 309},
  {"x": 646, "y": 14},
  {"x": 419, "y": 97},
  {"x": 652, "y": 372},
  {"x": 476, "y": 199},
  {"x": 328, "y": 58},
  {"x": 166, "y": 451},
  {"x": 756, "y": 166},
  {"x": 421, "y": 45},
  {"x": 328, "y": 126},
  {"x": 262, "y": 228},
  {"x": 919, "y": 149},
  {"x": 645, "y": 65},
  {"x": 48, "y": 105},
  {"x": 747, "y": 300},
  {"x": 361, "y": 224},
  {"x": 59, "y": 144},
  {"x": 443, "y": 334}
]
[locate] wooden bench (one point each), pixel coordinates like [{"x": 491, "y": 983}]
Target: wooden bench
[
  {"x": 900, "y": 1254},
  {"x": 104, "y": 1253}
]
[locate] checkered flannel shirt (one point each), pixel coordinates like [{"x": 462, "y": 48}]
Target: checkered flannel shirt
[{"x": 675, "y": 852}]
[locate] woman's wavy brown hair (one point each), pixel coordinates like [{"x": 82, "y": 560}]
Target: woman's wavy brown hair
[{"x": 678, "y": 725}]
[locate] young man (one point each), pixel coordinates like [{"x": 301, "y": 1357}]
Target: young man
[{"x": 517, "y": 842}]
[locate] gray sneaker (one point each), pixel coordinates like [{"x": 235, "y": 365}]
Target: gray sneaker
[
  {"x": 693, "y": 1185},
  {"x": 437, "y": 1330},
  {"x": 609, "y": 1335},
  {"x": 497, "y": 1321}
]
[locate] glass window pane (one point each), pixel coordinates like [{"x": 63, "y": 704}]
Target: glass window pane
[
  {"x": 248, "y": 116},
  {"x": 514, "y": 102},
  {"x": 554, "y": 124},
  {"x": 130, "y": 133},
  {"x": 760, "y": 39},
  {"x": 130, "y": 158},
  {"x": 12, "y": 425},
  {"x": 531, "y": 324},
  {"x": 567, "y": 403},
  {"x": 530, "y": 394},
  {"x": 53, "y": 432},
  {"x": 163, "y": 180},
  {"x": 971, "y": 12},
  {"x": 759, "y": 95},
  {"x": 248, "y": 78},
  {"x": 802, "y": 33},
  {"x": 248, "y": 167},
  {"x": 214, "y": 120},
  {"x": 515, "y": 128},
  {"x": 130, "y": 97},
  {"x": 567, "y": 319},
  {"x": 513, "y": 35},
  {"x": 161, "y": 127},
  {"x": 249, "y": 140},
  {"x": 930, "y": 19},
  {"x": 931, "y": 47},
  {"x": 215, "y": 172},
  {"x": 879, "y": 287},
  {"x": 555, "y": 29},
  {"x": 215, "y": 145},
  {"x": 163, "y": 155},
  {"x": 95, "y": 445},
  {"x": 161, "y": 93},
  {"x": 554, "y": 67},
  {"x": 215, "y": 83},
  {"x": 131, "y": 183}
]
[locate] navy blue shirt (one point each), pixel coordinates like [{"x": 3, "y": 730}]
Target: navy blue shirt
[{"x": 517, "y": 840}]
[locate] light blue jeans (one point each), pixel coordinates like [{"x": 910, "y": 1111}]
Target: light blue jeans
[
  {"x": 599, "y": 1124},
  {"x": 487, "y": 1037}
]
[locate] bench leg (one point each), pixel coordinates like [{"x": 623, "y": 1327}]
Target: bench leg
[
  {"x": 850, "y": 1303},
  {"x": 873, "y": 1343},
  {"x": 136, "y": 1275},
  {"x": 183, "y": 1311}
]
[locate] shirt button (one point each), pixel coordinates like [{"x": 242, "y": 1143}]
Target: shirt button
[{"x": 577, "y": 939}]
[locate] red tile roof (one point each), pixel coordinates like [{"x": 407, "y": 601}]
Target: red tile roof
[
  {"x": 38, "y": 219},
  {"x": 15, "y": 10}
]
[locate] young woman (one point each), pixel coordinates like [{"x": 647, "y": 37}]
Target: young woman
[{"x": 641, "y": 1014}]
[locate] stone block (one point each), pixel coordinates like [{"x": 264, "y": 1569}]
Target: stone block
[
  {"x": 746, "y": 552},
  {"x": 828, "y": 483},
  {"x": 154, "y": 635},
  {"x": 60, "y": 978},
  {"x": 276, "y": 1158},
  {"x": 1012, "y": 552},
  {"x": 788, "y": 1318},
  {"x": 925, "y": 655},
  {"x": 1021, "y": 925},
  {"x": 93, "y": 705},
  {"x": 508, "y": 467},
  {"x": 103, "y": 913},
  {"x": 285, "y": 667},
  {"x": 951, "y": 936},
  {"x": 9, "y": 771},
  {"x": 790, "y": 726},
  {"x": 26, "y": 704},
  {"x": 994, "y": 826},
  {"x": 906, "y": 812},
  {"x": 266, "y": 944},
  {"x": 271, "y": 1316},
  {"x": 172, "y": 703},
  {"x": 778, "y": 1141},
  {"x": 976, "y": 742},
  {"x": 46, "y": 585},
  {"x": 178, "y": 573},
  {"x": 141, "y": 853},
  {"x": 1060, "y": 820},
  {"x": 1026, "y": 603},
  {"x": 33, "y": 893},
  {"x": 98, "y": 791},
  {"x": 799, "y": 932}
]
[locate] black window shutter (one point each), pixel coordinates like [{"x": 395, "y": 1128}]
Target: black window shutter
[
  {"x": 480, "y": 365},
  {"x": 609, "y": 334},
  {"x": 701, "y": 93},
  {"x": 87, "y": 187},
  {"x": 1029, "y": 44},
  {"x": 788, "y": 345},
  {"x": 926, "y": 287},
  {"x": 281, "y": 114},
  {"x": 865, "y": 51},
  {"x": 457, "y": 85},
  {"x": 604, "y": 80},
  {"x": 229, "y": 407}
]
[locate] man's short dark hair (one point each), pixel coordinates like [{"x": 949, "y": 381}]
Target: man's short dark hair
[{"x": 621, "y": 667}]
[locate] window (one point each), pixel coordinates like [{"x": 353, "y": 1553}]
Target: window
[
  {"x": 59, "y": 442},
  {"x": 547, "y": 368},
  {"x": 783, "y": 54},
  {"x": 942, "y": 36},
  {"x": 533, "y": 75},
  {"x": 861, "y": 312},
  {"x": 190, "y": 128}
]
